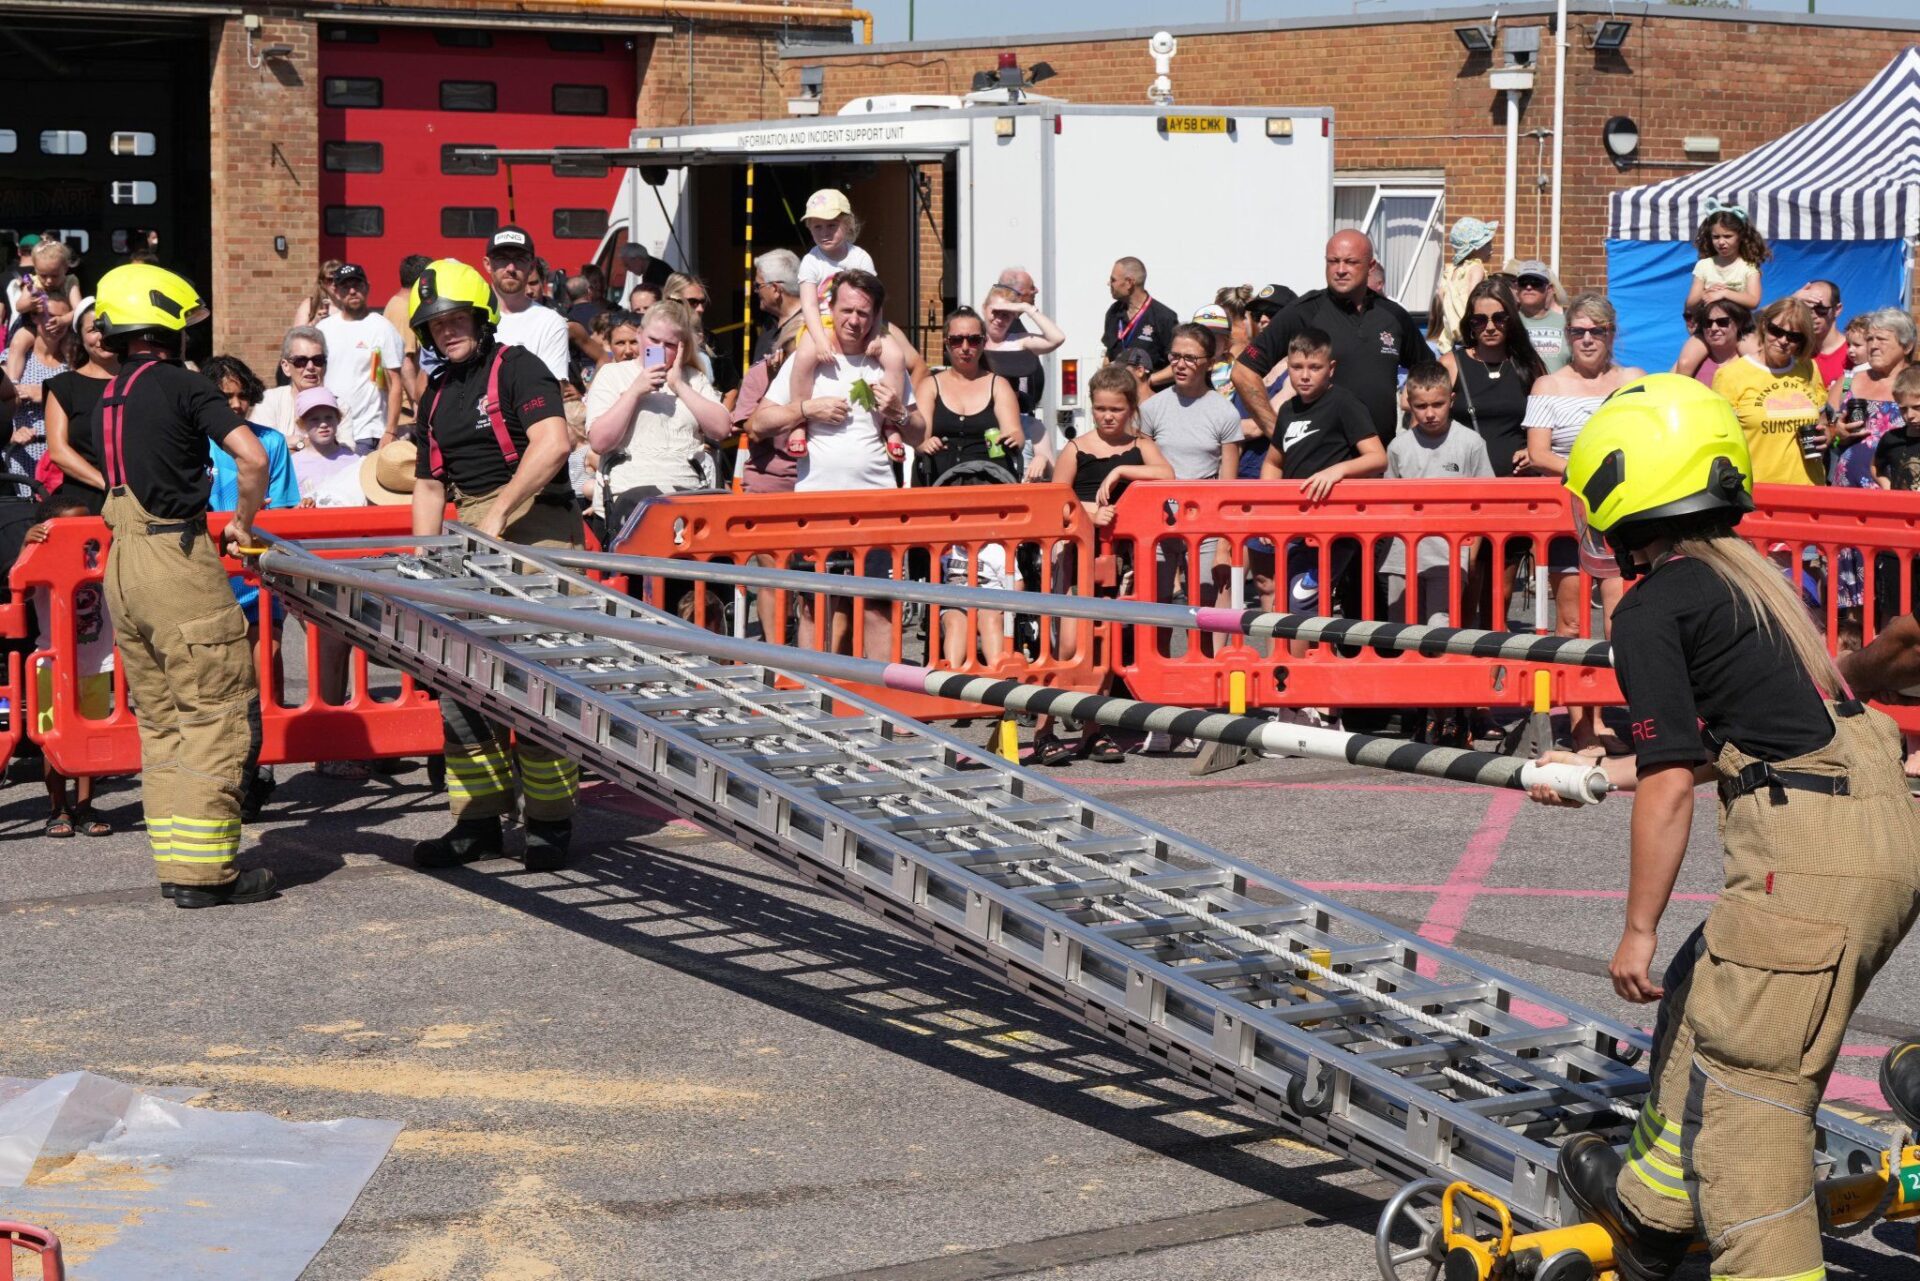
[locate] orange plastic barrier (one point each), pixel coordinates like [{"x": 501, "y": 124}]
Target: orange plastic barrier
[
  {"x": 27, "y": 1239},
  {"x": 1871, "y": 539},
  {"x": 358, "y": 728},
  {"x": 1037, "y": 536}
]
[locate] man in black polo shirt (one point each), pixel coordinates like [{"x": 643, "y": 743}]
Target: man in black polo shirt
[
  {"x": 1373, "y": 339},
  {"x": 1136, "y": 320}
]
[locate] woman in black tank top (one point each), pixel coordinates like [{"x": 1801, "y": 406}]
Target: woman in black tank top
[
  {"x": 71, "y": 400},
  {"x": 974, "y": 415},
  {"x": 1492, "y": 371}
]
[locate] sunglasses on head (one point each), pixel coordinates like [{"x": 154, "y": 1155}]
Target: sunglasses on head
[
  {"x": 1786, "y": 335},
  {"x": 301, "y": 362},
  {"x": 1478, "y": 322}
]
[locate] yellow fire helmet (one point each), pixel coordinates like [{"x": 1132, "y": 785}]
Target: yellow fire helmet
[
  {"x": 143, "y": 298},
  {"x": 1661, "y": 447},
  {"x": 449, "y": 285}
]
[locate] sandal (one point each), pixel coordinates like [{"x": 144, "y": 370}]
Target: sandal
[
  {"x": 1101, "y": 747},
  {"x": 88, "y": 823},
  {"x": 59, "y": 825},
  {"x": 1047, "y": 750}
]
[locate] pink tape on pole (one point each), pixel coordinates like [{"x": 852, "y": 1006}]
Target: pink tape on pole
[
  {"x": 1218, "y": 620},
  {"x": 905, "y": 676}
]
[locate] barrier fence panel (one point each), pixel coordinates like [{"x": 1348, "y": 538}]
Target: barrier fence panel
[
  {"x": 1032, "y": 536},
  {"x": 1260, "y": 543},
  {"x": 338, "y": 718}
]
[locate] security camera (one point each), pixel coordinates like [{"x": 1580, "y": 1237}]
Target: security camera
[{"x": 1162, "y": 46}]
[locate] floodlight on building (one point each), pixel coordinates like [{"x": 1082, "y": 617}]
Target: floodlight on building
[
  {"x": 1476, "y": 39},
  {"x": 1612, "y": 34}
]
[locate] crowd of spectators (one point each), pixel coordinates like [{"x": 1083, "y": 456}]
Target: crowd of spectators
[{"x": 1307, "y": 389}]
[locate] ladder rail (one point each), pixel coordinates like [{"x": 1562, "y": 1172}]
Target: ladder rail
[{"x": 1208, "y": 1033}]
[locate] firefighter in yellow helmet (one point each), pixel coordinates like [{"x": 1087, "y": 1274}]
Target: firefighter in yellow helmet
[
  {"x": 495, "y": 441},
  {"x": 182, "y": 639},
  {"x": 1728, "y": 680}
]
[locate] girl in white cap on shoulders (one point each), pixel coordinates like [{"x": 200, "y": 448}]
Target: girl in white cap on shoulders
[{"x": 829, "y": 220}]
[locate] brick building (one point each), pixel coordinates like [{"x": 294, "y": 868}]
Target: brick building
[
  {"x": 1415, "y": 115},
  {"x": 260, "y": 139},
  {"x": 241, "y": 131}
]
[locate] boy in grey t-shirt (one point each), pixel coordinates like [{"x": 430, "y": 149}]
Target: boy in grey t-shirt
[{"x": 1436, "y": 449}]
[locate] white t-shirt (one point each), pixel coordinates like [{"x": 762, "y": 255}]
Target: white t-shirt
[
  {"x": 818, "y": 268},
  {"x": 340, "y": 489},
  {"x": 360, "y": 354},
  {"x": 849, "y": 455},
  {"x": 665, "y": 434},
  {"x": 542, "y": 331}
]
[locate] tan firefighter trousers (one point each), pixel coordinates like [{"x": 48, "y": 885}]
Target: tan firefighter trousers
[
  {"x": 480, "y": 775},
  {"x": 190, "y": 674},
  {"x": 1821, "y": 884}
]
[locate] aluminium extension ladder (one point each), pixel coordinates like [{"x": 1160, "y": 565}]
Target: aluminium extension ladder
[{"x": 1402, "y": 1056}]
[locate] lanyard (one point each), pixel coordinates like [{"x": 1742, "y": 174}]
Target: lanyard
[{"x": 1138, "y": 316}]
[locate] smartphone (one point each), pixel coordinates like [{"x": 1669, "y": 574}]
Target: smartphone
[{"x": 653, "y": 355}]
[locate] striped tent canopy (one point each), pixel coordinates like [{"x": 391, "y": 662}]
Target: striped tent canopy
[{"x": 1852, "y": 174}]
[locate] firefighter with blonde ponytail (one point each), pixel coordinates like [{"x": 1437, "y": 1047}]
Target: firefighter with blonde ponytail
[{"x": 1728, "y": 680}]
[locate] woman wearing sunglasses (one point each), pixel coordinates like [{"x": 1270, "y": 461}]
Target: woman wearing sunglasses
[
  {"x": 1557, "y": 412},
  {"x": 1722, "y": 331},
  {"x": 1777, "y": 394},
  {"x": 303, "y": 361}
]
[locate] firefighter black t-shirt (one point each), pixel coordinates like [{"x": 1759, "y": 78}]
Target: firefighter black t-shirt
[
  {"x": 1373, "y": 340},
  {"x": 469, "y": 450},
  {"x": 168, "y": 418},
  {"x": 1698, "y": 671}
]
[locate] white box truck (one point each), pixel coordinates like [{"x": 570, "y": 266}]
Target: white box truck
[{"x": 961, "y": 188}]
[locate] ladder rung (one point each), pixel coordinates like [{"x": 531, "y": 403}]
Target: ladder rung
[
  {"x": 758, "y": 727},
  {"x": 1021, "y": 813}
]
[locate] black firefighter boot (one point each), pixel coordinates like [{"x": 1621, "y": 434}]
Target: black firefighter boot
[
  {"x": 1900, "y": 1083},
  {"x": 548, "y": 845},
  {"x": 1589, "y": 1173},
  {"x": 471, "y": 840},
  {"x": 255, "y": 885}
]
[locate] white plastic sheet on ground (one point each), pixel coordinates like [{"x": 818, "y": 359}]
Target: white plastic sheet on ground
[{"x": 140, "y": 1185}]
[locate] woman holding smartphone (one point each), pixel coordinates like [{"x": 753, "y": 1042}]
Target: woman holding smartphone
[{"x": 649, "y": 418}]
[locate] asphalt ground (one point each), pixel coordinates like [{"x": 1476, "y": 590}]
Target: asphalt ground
[{"x": 673, "y": 1061}]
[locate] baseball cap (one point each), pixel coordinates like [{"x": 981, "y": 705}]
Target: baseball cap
[
  {"x": 511, "y": 237},
  {"x": 313, "y": 398},
  {"x": 29, "y": 240},
  {"x": 348, "y": 271},
  {"x": 1271, "y": 300},
  {"x": 1532, "y": 267},
  {"x": 1213, "y": 316},
  {"x": 825, "y": 205}
]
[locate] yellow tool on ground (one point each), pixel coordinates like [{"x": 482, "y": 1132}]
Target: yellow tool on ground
[{"x": 1584, "y": 1251}]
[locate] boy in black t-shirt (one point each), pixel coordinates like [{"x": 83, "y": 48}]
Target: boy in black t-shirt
[
  {"x": 1896, "y": 459},
  {"x": 1322, "y": 436}
]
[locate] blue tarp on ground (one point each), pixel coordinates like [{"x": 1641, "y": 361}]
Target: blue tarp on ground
[{"x": 1647, "y": 281}]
